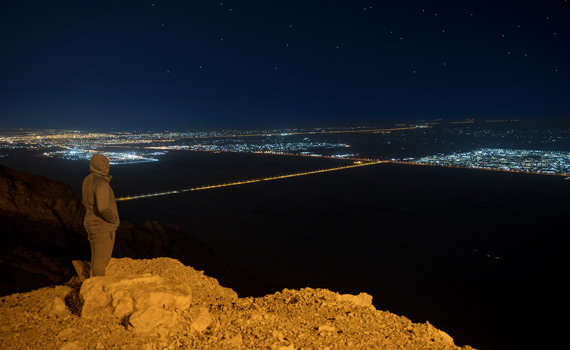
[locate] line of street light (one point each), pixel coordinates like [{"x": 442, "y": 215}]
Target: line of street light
[{"x": 278, "y": 177}]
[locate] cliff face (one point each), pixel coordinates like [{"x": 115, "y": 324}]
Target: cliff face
[
  {"x": 39, "y": 211},
  {"x": 41, "y": 232}
]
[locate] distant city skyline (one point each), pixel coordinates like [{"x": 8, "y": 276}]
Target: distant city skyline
[
  {"x": 490, "y": 146},
  {"x": 175, "y": 64}
]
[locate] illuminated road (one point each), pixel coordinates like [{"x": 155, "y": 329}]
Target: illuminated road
[{"x": 359, "y": 164}]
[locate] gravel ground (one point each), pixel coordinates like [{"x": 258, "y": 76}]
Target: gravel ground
[{"x": 287, "y": 320}]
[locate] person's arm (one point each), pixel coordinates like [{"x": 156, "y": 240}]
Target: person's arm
[{"x": 103, "y": 205}]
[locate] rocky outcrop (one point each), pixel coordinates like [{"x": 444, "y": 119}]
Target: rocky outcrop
[
  {"x": 39, "y": 211},
  {"x": 146, "y": 302},
  {"x": 41, "y": 232},
  {"x": 162, "y": 304}
]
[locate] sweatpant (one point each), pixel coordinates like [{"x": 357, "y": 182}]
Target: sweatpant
[{"x": 101, "y": 250}]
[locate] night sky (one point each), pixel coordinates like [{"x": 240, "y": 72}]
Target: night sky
[{"x": 195, "y": 63}]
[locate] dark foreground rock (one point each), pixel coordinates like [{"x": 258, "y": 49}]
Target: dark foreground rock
[{"x": 41, "y": 233}]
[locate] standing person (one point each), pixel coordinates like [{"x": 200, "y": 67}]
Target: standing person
[{"x": 101, "y": 215}]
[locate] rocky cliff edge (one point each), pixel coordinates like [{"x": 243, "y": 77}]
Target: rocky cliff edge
[
  {"x": 41, "y": 232},
  {"x": 162, "y": 304}
]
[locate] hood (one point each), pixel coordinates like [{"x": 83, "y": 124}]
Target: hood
[{"x": 99, "y": 164}]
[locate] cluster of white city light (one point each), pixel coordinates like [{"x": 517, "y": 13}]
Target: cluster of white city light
[
  {"x": 77, "y": 145},
  {"x": 139, "y": 146},
  {"x": 46, "y": 138},
  {"x": 114, "y": 157},
  {"x": 71, "y": 144},
  {"x": 272, "y": 145},
  {"x": 531, "y": 161}
]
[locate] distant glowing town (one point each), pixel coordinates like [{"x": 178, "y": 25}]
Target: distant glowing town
[
  {"x": 514, "y": 160},
  {"x": 138, "y": 147}
]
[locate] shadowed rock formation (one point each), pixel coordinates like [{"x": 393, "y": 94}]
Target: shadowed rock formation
[{"x": 41, "y": 225}]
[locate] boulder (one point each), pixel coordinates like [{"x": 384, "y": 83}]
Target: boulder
[
  {"x": 362, "y": 299},
  {"x": 152, "y": 319},
  {"x": 74, "y": 345},
  {"x": 201, "y": 319},
  {"x": 56, "y": 307},
  {"x": 428, "y": 333},
  {"x": 126, "y": 294}
]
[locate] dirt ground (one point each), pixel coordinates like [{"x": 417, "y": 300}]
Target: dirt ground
[{"x": 287, "y": 320}]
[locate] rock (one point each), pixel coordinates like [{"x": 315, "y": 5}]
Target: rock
[
  {"x": 278, "y": 335},
  {"x": 279, "y": 347},
  {"x": 429, "y": 333},
  {"x": 362, "y": 299},
  {"x": 56, "y": 307},
  {"x": 123, "y": 295},
  {"x": 201, "y": 319},
  {"x": 445, "y": 338},
  {"x": 290, "y": 347},
  {"x": 234, "y": 342},
  {"x": 292, "y": 319},
  {"x": 437, "y": 335},
  {"x": 327, "y": 329},
  {"x": 66, "y": 333},
  {"x": 152, "y": 319},
  {"x": 75, "y": 345}
]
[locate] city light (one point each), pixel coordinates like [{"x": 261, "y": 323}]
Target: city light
[
  {"x": 514, "y": 160},
  {"x": 123, "y": 148}
]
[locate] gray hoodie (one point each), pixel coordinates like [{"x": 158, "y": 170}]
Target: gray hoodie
[{"x": 101, "y": 209}]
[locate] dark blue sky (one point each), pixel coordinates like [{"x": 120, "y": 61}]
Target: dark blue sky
[{"x": 167, "y": 64}]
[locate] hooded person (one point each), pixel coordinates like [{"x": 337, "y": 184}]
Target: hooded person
[{"x": 101, "y": 214}]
